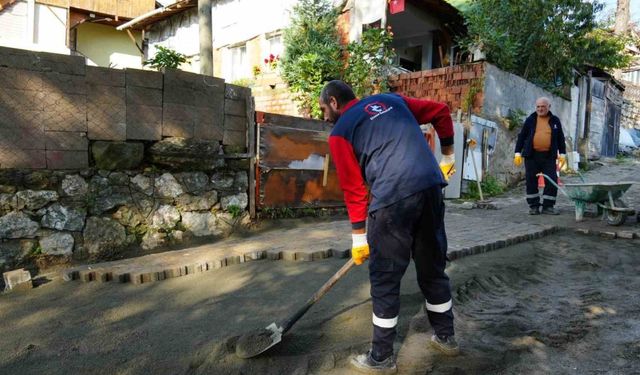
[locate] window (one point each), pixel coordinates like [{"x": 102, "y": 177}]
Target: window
[
  {"x": 236, "y": 64},
  {"x": 275, "y": 45}
]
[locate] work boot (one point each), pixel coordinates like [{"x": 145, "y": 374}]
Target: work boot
[
  {"x": 550, "y": 211},
  {"x": 534, "y": 211},
  {"x": 445, "y": 344},
  {"x": 365, "y": 363}
]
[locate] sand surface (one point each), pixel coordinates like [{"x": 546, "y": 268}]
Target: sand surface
[{"x": 561, "y": 304}]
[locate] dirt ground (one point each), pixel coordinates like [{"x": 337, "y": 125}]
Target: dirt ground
[{"x": 564, "y": 304}]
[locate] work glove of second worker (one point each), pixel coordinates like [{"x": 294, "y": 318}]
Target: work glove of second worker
[
  {"x": 447, "y": 166},
  {"x": 517, "y": 159},
  {"x": 359, "y": 248},
  {"x": 562, "y": 160}
]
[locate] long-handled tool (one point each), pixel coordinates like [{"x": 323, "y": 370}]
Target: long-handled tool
[{"x": 251, "y": 344}]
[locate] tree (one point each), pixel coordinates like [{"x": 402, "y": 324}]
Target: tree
[
  {"x": 542, "y": 40},
  {"x": 312, "y": 52},
  {"x": 622, "y": 16},
  {"x": 368, "y": 61}
]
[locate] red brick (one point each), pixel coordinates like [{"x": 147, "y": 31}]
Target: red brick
[{"x": 468, "y": 75}]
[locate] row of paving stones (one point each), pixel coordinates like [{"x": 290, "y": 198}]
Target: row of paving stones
[{"x": 307, "y": 242}]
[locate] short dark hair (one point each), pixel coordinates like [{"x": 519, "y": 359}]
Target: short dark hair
[{"x": 339, "y": 90}]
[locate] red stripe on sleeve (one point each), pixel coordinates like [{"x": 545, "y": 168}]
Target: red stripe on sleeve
[
  {"x": 351, "y": 180},
  {"x": 436, "y": 113}
]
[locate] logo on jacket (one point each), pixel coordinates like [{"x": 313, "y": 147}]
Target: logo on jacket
[{"x": 376, "y": 109}]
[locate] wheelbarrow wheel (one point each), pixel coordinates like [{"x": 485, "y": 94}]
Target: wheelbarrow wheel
[{"x": 615, "y": 218}]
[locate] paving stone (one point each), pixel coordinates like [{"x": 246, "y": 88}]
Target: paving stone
[
  {"x": 231, "y": 260},
  {"x": 135, "y": 278},
  {"x": 257, "y": 255},
  {"x": 160, "y": 275},
  {"x": 289, "y": 255},
  {"x": 304, "y": 256},
  {"x": 214, "y": 264},
  {"x": 274, "y": 254},
  {"x": 148, "y": 277},
  {"x": 103, "y": 276},
  {"x": 173, "y": 272},
  {"x": 337, "y": 253},
  {"x": 319, "y": 255},
  {"x": 19, "y": 279},
  {"x": 626, "y": 234},
  {"x": 607, "y": 235},
  {"x": 69, "y": 275},
  {"x": 87, "y": 275}
]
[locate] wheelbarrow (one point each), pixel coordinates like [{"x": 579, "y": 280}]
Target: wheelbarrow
[{"x": 606, "y": 196}]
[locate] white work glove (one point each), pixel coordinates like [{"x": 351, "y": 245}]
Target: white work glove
[{"x": 359, "y": 248}]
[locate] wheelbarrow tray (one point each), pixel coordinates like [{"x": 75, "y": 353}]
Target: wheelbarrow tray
[
  {"x": 596, "y": 192},
  {"x": 605, "y": 195}
]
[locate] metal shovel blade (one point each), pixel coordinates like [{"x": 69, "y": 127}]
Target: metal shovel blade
[{"x": 256, "y": 342}]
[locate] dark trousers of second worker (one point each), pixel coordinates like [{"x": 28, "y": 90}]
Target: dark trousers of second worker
[
  {"x": 410, "y": 228},
  {"x": 541, "y": 162}
]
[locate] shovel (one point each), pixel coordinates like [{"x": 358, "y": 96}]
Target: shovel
[{"x": 251, "y": 344}]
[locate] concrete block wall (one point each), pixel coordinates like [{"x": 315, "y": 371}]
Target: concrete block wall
[{"x": 53, "y": 106}]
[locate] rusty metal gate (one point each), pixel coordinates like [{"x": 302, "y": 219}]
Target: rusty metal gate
[{"x": 293, "y": 167}]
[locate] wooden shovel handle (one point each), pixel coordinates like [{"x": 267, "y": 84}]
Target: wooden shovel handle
[{"x": 291, "y": 320}]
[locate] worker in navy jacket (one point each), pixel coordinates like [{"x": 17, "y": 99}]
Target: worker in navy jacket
[
  {"x": 540, "y": 143},
  {"x": 391, "y": 179}
]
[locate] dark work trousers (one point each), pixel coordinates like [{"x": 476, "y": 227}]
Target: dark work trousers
[
  {"x": 541, "y": 162},
  {"x": 410, "y": 228}
]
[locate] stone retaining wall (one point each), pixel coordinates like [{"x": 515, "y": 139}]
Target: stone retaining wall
[{"x": 94, "y": 213}]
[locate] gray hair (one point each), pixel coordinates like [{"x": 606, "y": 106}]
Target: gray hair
[{"x": 544, "y": 99}]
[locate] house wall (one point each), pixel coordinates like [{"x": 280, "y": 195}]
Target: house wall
[
  {"x": 413, "y": 28},
  {"x": 180, "y": 33},
  {"x": 107, "y": 47},
  {"x": 41, "y": 28}
]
